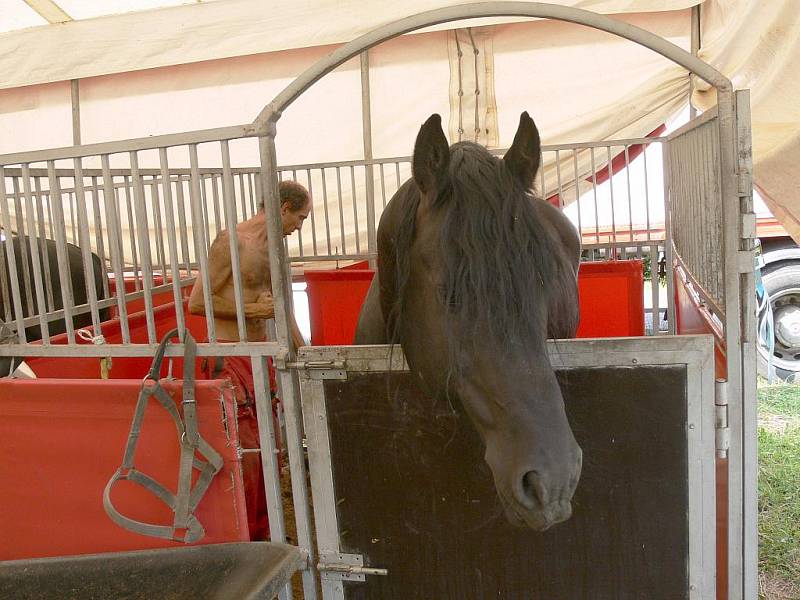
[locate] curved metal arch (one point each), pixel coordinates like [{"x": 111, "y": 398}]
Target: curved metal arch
[{"x": 270, "y": 114}]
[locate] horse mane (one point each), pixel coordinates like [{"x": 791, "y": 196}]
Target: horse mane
[{"x": 500, "y": 262}]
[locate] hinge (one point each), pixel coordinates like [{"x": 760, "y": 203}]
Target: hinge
[
  {"x": 746, "y": 260},
  {"x": 745, "y": 183},
  {"x": 749, "y": 226},
  {"x": 721, "y": 431},
  {"x": 321, "y": 369},
  {"x": 339, "y": 566}
]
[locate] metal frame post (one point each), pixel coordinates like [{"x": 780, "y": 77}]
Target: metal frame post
[
  {"x": 366, "y": 126},
  {"x": 281, "y": 290}
]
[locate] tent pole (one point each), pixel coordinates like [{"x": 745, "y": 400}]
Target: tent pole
[
  {"x": 695, "y": 41},
  {"x": 76, "y": 112}
]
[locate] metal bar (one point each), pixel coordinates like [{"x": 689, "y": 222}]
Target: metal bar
[
  {"x": 182, "y": 227},
  {"x": 558, "y": 178},
  {"x": 630, "y": 198},
  {"x": 655, "y": 288},
  {"x": 72, "y": 219},
  {"x": 85, "y": 246},
  {"x": 155, "y": 205},
  {"x": 325, "y": 210},
  {"x": 230, "y": 221},
  {"x": 141, "y": 350},
  {"x": 22, "y": 231},
  {"x": 111, "y": 203},
  {"x": 51, "y": 222},
  {"x": 131, "y": 231},
  {"x": 300, "y": 233},
  {"x": 383, "y": 186},
  {"x": 201, "y": 250},
  {"x": 242, "y": 196},
  {"x": 577, "y": 191},
  {"x": 5, "y": 283},
  {"x": 98, "y": 230},
  {"x": 749, "y": 338},
  {"x": 172, "y": 239},
  {"x": 341, "y": 210},
  {"x": 594, "y": 191},
  {"x": 253, "y": 193},
  {"x": 143, "y": 233},
  {"x": 668, "y": 239},
  {"x": 64, "y": 276},
  {"x": 332, "y": 258},
  {"x": 132, "y": 145},
  {"x": 218, "y": 226},
  {"x": 281, "y": 291},
  {"x": 84, "y": 308},
  {"x": 43, "y": 244},
  {"x": 356, "y": 227},
  {"x": 611, "y": 191},
  {"x": 12, "y": 261},
  {"x": 313, "y": 217},
  {"x": 366, "y": 127},
  {"x": 269, "y": 461},
  {"x": 41, "y": 306}
]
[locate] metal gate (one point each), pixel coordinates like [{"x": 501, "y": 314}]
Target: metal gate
[
  {"x": 400, "y": 483},
  {"x": 711, "y": 226}
]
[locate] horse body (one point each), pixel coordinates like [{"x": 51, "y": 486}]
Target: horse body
[
  {"x": 78, "y": 281},
  {"x": 474, "y": 275}
]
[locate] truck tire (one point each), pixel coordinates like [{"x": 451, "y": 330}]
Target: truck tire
[{"x": 782, "y": 284}]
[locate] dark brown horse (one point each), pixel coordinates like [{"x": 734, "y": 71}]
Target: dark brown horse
[
  {"x": 475, "y": 274},
  {"x": 78, "y": 279}
]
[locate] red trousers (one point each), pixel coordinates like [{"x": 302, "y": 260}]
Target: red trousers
[{"x": 238, "y": 371}]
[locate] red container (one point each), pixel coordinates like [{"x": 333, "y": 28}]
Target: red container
[
  {"x": 611, "y": 301},
  {"x": 61, "y": 440},
  {"x": 334, "y": 302}
]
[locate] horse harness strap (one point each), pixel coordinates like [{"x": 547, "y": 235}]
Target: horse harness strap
[{"x": 185, "y": 526}]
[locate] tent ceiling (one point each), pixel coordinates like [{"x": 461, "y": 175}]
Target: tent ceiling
[
  {"x": 173, "y": 32},
  {"x": 20, "y": 14}
]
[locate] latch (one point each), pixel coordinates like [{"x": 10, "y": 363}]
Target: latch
[
  {"x": 321, "y": 369},
  {"x": 722, "y": 432},
  {"x": 345, "y": 567}
]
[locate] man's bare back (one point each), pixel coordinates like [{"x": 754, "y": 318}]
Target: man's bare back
[{"x": 256, "y": 280}]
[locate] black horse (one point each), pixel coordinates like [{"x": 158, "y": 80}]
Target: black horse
[
  {"x": 49, "y": 271},
  {"x": 475, "y": 274}
]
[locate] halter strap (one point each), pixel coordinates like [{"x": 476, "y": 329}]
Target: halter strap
[{"x": 185, "y": 526}]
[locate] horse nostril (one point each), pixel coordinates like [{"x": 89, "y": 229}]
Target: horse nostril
[{"x": 534, "y": 492}]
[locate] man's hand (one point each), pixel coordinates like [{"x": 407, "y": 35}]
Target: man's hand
[{"x": 264, "y": 306}]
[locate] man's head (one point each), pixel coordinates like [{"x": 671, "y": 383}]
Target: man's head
[{"x": 295, "y": 206}]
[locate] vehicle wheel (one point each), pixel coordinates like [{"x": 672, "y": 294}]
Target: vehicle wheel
[{"x": 782, "y": 284}]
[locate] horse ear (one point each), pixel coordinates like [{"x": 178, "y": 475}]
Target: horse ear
[
  {"x": 522, "y": 159},
  {"x": 431, "y": 156}
]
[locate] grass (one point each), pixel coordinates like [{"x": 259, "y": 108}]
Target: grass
[{"x": 779, "y": 490}]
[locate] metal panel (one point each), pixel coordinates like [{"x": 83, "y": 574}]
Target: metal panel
[{"x": 469, "y": 535}]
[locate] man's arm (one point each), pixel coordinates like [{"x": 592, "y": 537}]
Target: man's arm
[{"x": 219, "y": 274}]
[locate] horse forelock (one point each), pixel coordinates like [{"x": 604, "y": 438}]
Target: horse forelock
[{"x": 501, "y": 265}]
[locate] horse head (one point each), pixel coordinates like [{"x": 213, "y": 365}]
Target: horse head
[{"x": 475, "y": 272}]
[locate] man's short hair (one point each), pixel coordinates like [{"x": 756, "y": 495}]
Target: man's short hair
[{"x": 292, "y": 193}]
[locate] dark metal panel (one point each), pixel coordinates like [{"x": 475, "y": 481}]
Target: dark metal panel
[{"x": 415, "y": 496}]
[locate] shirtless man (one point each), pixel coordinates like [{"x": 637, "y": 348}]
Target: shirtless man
[
  {"x": 258, "y": 307},
  {"x": 254, "y": 266}
]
